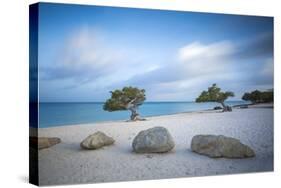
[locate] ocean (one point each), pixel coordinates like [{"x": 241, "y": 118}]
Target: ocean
[{"x": 60, "y": 114}]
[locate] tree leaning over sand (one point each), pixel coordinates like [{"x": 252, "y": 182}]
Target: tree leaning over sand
[
  {"x": 214, "y": 94},
  {"x": 129, "y": 98}
]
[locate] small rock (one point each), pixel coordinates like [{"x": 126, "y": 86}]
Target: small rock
[
  {"x": 220, "y": 146},
  {"x": 217, "y": 108},
  {"x": 96, "y": 141},
  {"x": 149, "y": 156},
  {"x": 231, "y": 167},
  {"x": 227, "y": 109},
  {"x": 43, "y": 142},
  {"x": 153, "y": 140}
]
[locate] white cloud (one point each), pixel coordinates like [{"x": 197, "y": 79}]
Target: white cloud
[
  {"x": 87, "y": 47},
  {"x": 199, "y": 59},
  {"x": 196, "y": 50}
]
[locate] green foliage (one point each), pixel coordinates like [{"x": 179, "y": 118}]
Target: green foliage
[
  {"x": 124, "y": 99},
  {"x": 246, "y": 96},
  {"x": 259, "y": 96},
  {"x": 214, "y": 94}
]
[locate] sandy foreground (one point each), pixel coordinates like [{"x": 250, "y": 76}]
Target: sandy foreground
[{"x": 66, "y": 163}]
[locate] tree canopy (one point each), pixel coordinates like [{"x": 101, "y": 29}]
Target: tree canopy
[
  {"x": 129, "y": 98},
  {"x": 259, "y": 96},
  {"x": 214, "y": 94}
]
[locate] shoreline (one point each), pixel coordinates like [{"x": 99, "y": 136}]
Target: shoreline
[
  {"x": 260, "y": 105},
  {"x": 126, "y": 121}
]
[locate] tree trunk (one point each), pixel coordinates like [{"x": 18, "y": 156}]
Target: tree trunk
[
  {"x": 225, "y": 108},
  {"x": 134, "y": 115},
  {"x": 134, "y": 110}
]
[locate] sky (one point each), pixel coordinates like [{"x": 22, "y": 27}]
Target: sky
[{"x": 84, "y": 52}]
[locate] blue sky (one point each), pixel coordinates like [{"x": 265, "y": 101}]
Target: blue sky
[{"x": 87, "y": 51}]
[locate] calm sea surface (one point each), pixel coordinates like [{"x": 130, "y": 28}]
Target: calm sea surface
[{"x": 59, "y": 114}]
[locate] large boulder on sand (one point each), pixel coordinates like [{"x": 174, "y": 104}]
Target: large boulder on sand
[
  {"x": 96, "y": 141},
  {"x": 153, "y": 140},
  {"x": 220, "y": 146},
  {"x": 43, "y": 142}
]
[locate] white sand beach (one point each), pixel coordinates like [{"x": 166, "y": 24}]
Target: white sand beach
[{"x": 67, "y": 163}]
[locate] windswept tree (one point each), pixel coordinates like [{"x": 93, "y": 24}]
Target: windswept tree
[
  {"x": 129, "y": 98},
  {"x": 214, "y": 94}
]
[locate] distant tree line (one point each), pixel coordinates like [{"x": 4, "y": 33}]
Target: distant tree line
[{"x": 259, "y": 96}]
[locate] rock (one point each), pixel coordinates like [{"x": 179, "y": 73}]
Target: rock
[
  {"x": 43, "y": 142},
  {"x": 244, "y": 106},
  {"x": 96, "y": 141},
  {"x": 220, "y": 146},
  {"x": 153, "y": 140},
  {"x": 227, "y": 109},
  {"x": 149, "y": 156},
  {"x": 217, "y": 108}
]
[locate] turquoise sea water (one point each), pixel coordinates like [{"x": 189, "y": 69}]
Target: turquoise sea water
[{"x": 59, "y": 114}]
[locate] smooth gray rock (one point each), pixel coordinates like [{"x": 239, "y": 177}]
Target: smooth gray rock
[
  {"x": 220, "y": 146},
  {"x": 153, "y": 140},
  {"x": 96, "y": 141}
]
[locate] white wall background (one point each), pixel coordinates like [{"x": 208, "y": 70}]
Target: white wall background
[{"x": 14, "y": 90}]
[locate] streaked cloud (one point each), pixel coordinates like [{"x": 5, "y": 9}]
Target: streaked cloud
[
  {"x": 198, "y": 65},
  {"x": 197, "y": 58},
  {"x": 88, "y": 58}
]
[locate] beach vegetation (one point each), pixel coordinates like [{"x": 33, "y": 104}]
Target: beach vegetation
[
  {"x": 214, "y": 94},
  {"x": 128, "y": 98},
  {"x": 259, "y": 96}
]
